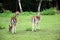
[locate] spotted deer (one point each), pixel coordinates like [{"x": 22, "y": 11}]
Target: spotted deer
[
  {"x": 13, "y": 22},
  {"x": 35, "y": 21}
]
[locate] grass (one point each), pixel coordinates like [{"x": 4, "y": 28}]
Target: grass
[{"x": 49, "y": 28}]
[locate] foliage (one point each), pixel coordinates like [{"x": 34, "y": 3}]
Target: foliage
[
  {"x": 28, "y": 13},
  {"x": 7, "y": 11},
  {"x": 48, "y": 12},
  {"x": 0, "y": 4}
]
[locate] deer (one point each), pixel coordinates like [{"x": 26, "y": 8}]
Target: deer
[
  {"x": 13, "y": 22},
  {"x": 36, "y": 21}
]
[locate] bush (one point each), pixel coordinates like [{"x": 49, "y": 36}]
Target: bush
[
  {"x": 48, "y": 12},
  {"x": 28, "y": 13},
  {"x": 7, "y": 11}
]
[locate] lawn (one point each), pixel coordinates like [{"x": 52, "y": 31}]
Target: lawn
[{"x": 49, "y": 28}]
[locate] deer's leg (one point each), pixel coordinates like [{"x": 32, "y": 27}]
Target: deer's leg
[
  {"x": 32, "y": 26},
  {"x": 37, "y": 25},
  {"x": 12, "y": 29},
  {"x": 9, "y": 29}
]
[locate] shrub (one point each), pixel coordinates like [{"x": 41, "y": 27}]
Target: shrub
[
  {"x": 7, "y": 11},
  {"x": 48, "y": 12},
  {"x": 28, "y": 13}
]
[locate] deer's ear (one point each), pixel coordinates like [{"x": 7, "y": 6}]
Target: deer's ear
[{"x": 17, "y": 13}]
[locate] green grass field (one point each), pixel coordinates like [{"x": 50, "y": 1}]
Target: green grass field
[{"x": 49, "y": 28}]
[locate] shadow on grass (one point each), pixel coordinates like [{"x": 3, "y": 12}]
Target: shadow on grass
[
  {"x": 29, "y": 29},
  {"x": 58, "y": 38}
]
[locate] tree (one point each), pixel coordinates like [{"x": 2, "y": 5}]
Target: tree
[
  {"x": 39, "y": 6},
  {"x": 56, "y": 4},
  {"x": 19, "y": 2}
]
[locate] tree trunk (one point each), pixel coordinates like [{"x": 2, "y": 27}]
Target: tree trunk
[
  {"x": 39, "y": 6},
  {"x": 19, "y": 2},
  {"x": 56, "y": 4}
]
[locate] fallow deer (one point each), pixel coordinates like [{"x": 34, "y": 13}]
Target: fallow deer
[
  {"x": 12, "y": 26},
  {"x": 36, "y": 21}
]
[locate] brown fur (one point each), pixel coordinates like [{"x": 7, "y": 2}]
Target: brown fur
[
  {"x": 14, "y": 19},
  {"x": 37, "y": 17}
]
